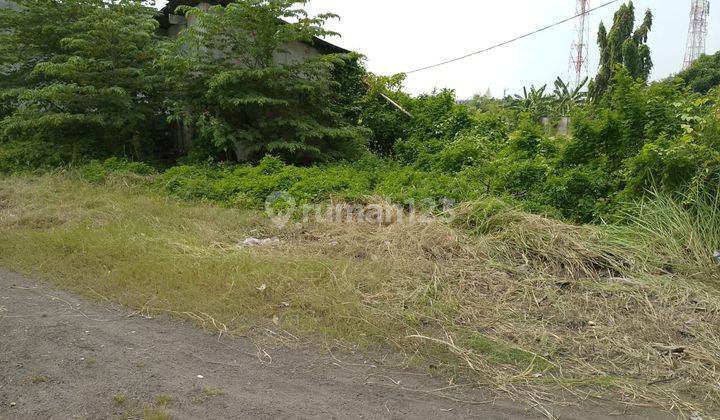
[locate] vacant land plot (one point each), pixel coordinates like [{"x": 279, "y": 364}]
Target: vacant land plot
[{"x": 532, "y": 308}]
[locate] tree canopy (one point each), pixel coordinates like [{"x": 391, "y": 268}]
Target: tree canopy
[
  {"x": 239, "y": 85},
  {"x": 703, "y": 74},
  {"x": 86, "y": 78},
  {"x": 623, "y": 46}
]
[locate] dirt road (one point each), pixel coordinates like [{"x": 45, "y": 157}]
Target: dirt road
[{"x": 64, "y": 357}]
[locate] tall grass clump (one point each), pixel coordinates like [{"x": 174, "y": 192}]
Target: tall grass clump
[{"x": 674, "y": 235}]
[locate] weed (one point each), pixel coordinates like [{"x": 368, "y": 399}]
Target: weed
[
  {"x": 154, "y": 413},
  {"x": 119, "y": 399},
  {"x": 207, "y": 393},
  {"x": 38, "y": 379},
  {"x": 506, "y": 354},
  {"x": 163, "y": 400}
]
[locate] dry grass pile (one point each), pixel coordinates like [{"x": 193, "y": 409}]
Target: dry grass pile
[
  {"x": 531, "y": 306},
  {"x": 539, "y": 303}
]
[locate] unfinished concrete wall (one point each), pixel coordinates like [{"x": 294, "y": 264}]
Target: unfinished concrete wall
[
  {"x": 292, "y": 53},
  {"x": 295, "y": 53},
  {"x": 5, "y": 4},
  {"x": 561, "y": 127}
]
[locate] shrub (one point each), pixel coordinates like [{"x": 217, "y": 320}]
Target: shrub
[
  {"x": 98, "y": 172},
  {"x": 22, "y": 156}
]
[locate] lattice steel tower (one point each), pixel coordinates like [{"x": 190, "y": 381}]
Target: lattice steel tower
[
  {"x": 697, "y": 34},
  {"x": 580, "y": 49}
]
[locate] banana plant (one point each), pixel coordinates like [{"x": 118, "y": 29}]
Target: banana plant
[
  {"x": 533, "y": 100},
  {"x": 568, "y": 97}
]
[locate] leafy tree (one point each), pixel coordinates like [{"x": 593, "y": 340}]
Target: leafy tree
[
  {"x": 438, "y": 116},
  {"x": 387, "y": 122},
  {"x": 91, "y": 82},
  {"x": 31, "y": 33},
  {"x": 704, "y": 74},
  {"x": 679, "y": 159},
  {"x": 245, "y": 94},
  {"x": 623, "y": 47}
]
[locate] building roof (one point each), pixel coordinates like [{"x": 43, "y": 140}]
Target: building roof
[{"x": 321, "y": 45}]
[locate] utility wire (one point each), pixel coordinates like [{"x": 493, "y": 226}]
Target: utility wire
[{"x": 512, "y": 40}]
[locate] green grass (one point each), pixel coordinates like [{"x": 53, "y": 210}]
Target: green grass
[
  {"x": 163, "y": 400},
  {"x": 119, "y": 399},
  {"x": 206, "y": 394},
  {"x": 505, "y": 354},
  {"x": 682, "y": 235},
  {"x": 38, "y": 379},
  {"x": 523, "y": 306}
]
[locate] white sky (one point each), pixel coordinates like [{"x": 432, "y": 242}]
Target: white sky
[{"x": 401, "y": 35}]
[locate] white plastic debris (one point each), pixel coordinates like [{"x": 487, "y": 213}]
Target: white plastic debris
[
  {"x": 250, "y": 242},
  {"x": 200, "y": 377},
  {"x": 717, "y": 256}
]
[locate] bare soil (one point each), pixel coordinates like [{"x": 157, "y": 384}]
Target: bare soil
[{"x": 65, "y": 357}]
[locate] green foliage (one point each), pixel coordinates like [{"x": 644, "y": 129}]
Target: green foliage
[
  {"x": 568, "y": 97},
  {"x": 538, "y": 104},
  {"x": 386, "y": 121},
  {"x": 437, "y": 120},
  {"x": 703, "y": 75},
  {"x": 23, "y": 156},
  {"x": 33, "y": 32},
  {"x": 438, "y": 116},
  {"x": 98, "y": 171},
  {"x": 534, "y": 102},
  {"x": 680, "y": 164},
  {"x": 619, "y": 127},
  {"x": 79, "y": 91},
  {"x": 623, "y": 48},
  {"x": 580, "y": 193},
  {"x": 90, "y": 83},
  {"x": 240, "y": 86}
]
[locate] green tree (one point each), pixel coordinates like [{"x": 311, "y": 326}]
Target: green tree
[
  {"x": 90, "y": 83},
  {"x": 704, "y": 74},
  {"x": 623, "y": 47},
  {"x": 246, "y": 96},
  {"x": 31, "y": 34},
  {"x": 388, "y": 121}
]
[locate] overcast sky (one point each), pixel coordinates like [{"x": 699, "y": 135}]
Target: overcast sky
[{"x": 401, "y": 35}]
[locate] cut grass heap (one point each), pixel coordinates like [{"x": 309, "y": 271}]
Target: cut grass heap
[{"x": 522, "y": 303}]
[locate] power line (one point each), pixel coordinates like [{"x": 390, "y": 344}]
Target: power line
[{"x": 529, "y": 34}]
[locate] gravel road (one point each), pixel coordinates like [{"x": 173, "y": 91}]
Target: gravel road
[{"x": 65, "y": 357}]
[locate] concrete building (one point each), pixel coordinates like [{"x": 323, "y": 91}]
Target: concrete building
[
  {"x": 5, "y": 4},
  {"x": 172, "y": 24}
]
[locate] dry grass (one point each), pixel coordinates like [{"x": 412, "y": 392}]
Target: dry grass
[{"x": 527, "y": 305}]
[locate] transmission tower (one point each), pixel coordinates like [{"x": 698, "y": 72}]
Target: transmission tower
[
  {"x": 579, "y": 50},
  {"x": 697, "y": 34}
]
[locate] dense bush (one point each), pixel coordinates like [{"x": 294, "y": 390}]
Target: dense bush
[
  {"x": 248, "y": 185},
  {"x": 98, "y": 171},
  {"x": 19, "y": 156},
  {"x": 633, "y": 137},
  {"x": 78, "y": 84},
  {"x": 289, "y": 108},
  {"x": 704, "y": 74}
]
